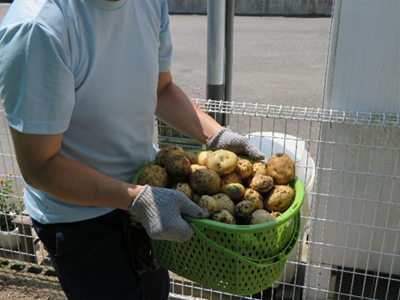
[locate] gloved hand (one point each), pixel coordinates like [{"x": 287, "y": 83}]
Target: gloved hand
[
  {"x": 160, "y": 210},
  {"x": 226, "y": 139}
]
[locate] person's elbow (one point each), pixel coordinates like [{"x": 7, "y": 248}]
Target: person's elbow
[{"x": 37, "y": 155}]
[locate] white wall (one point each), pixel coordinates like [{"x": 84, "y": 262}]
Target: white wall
[{"x": 356, "y": 223}]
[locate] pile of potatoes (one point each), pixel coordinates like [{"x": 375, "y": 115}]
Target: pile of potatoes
[{"x": 231, "y": 188}]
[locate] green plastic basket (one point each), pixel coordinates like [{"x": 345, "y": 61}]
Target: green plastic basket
[
  {"x": 236, "y": 259},
  {"x": 206, "y": 262}
]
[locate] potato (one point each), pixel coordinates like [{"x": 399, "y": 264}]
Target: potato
[
  {"x": 223, "y": 216},
  {"x": 261, "y": 183},
  {"x": 244, "y": 209},
  {"x": 194, "y": 167},
  {"x": 235, "y": 191},
  {"x": 281, "y": 168},
  {"x": 255, "y": 197},
  {"x": 183, "y": 187},
  {"x": 229, "y": 178},
  {"x": 191, "y": 156},
  {"x": 224, "y": 202},
  {"x": 201, "y": 158},
  {"x": 178, "y": 166},
  {"x": 153, "y": 175},
  {"x": 208, "y": 203},
  {"x": 251, "y": 193},
  {"x": 259, "y": 167},
  {"x": 167, "y": 152},
  {"x": 222, "y": 161},
  {"x": 205, "y": 182},
  {"x": 243, "y": 168},
  {"x": 279, "y": 199},
  {"x": 196, "y": 198},
  {"x": 260, "y": 216},
  {"x": 276, "y": 214}
]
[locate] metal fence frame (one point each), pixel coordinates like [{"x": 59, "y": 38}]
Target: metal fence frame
[{"x": 306, "y": 275}]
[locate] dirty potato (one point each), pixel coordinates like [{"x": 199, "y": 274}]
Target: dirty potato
[
  {"x": 243, "y": 168},
  {"x": 153, "y": 175},
  {"x": 279, "y": 199},
  {"x": 235, "y": 191},
  {"x": 208, "y": 203},
  {"x": 262, "y": 183},
  {"x": 255, "y": 197},
  {"x": 259, "y": 167},
  {"x": 191, "y": 156},
  {"x": 167, "y": 152},
  {"x": 178, "y": 166},
  {"x": 184, "y": 188},
  {"x": 196, "y": 198},
  {"x": 260, "y": 216},
  {"x": 222, "y": 161},
  {"x": 205, "y": 182},
  {"x": 223, "y": 216},
  {"x": 232, "y": 177},
  {"x": 244, "y": 209},
  {"x": 224, "y": 202},
  {"x": 276, "y": 214},
  {"x": 281, "y": 168}
]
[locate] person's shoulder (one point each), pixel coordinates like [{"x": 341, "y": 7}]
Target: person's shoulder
[
  {"x": 46, "y": 15},
  {"x": 26, "y": 11}
]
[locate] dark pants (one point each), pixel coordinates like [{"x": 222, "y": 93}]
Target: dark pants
[{"x": 92, "y": 262}]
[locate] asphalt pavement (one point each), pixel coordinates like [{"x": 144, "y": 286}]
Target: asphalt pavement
[{"x": 276, "y": 60}]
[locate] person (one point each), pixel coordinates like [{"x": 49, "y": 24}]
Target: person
[{"x": 81, "y": 82}]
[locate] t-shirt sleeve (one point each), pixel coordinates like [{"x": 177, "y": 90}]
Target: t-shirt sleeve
[
  {"x": 165, "y": 50},
  {"x": 36, "y": 83}
]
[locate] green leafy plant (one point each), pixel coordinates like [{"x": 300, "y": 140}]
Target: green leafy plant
[{"x": 9, "y": 208}]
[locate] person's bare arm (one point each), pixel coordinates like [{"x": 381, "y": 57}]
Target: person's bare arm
[
  {"x": 44, "y": 168},
  {"x": 178, "y": 111}
]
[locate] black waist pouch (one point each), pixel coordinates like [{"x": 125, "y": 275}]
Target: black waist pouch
[{"x": 139, "y": 247}]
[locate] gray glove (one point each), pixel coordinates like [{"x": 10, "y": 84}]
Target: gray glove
[
  {"x": 226, "y": 139},
  {"x": 160, "y": 212}
]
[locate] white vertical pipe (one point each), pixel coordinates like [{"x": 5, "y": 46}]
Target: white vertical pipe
[{"x": 216, "y": 17}]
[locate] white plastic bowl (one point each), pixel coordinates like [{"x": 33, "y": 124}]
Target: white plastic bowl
[{"x": 270, "y": 143}]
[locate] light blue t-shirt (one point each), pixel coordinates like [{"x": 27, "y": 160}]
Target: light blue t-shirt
[{"x": 88, "y": 69}]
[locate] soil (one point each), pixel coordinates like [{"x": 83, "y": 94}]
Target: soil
[{"x": 15, "y": 286}]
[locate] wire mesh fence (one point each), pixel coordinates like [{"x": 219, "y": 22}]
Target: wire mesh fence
[{"x": 349, "y": 164}]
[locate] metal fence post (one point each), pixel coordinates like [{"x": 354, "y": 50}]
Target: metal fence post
[{"x": 220, "y": 14}]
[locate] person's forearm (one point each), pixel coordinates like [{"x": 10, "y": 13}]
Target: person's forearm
[
  {"x": 178, "y": 111},
  {"x": 76, "y": 183}
]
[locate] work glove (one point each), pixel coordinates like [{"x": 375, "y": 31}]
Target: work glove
[
  {"x": 226, "y": 139},
  {"x": 160, "y": 210}
]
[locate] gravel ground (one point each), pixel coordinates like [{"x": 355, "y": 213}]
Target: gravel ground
[{"x": 14, "y": 286}]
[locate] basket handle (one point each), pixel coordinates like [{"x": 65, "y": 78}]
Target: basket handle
[{"x": 259, "y": 263}]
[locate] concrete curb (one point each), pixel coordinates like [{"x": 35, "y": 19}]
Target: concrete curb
[
  {"x": 259, "y": 7},
  {"x": 247, "y": 7}
]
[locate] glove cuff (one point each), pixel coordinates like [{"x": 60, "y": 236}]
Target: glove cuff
[
  {"x": 143, "y": 203},
  {"x": 214, "y": 142}
]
